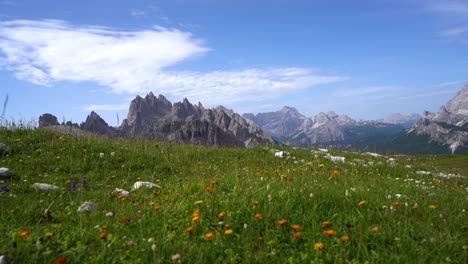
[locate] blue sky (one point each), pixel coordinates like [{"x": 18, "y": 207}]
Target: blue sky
[{"x": 362, "y": 58}]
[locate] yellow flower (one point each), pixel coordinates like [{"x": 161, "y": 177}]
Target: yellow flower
[
  {"x": 296, "y": 235},
  {"x": 189, "y": 229},
  {"x": 318, "y": 246},
  {"x": 221, "y": 215},
  {"x": 152, "y": 203},
  {"x": 326, "y": 223},
  {"x": 228, "y": 232},
  {"x": 362, "y": 202},
  {"x": 209, "y": 236},
  {"x": 344, "y": 238},
  {"x": 258, "y": 216},
  {"x": 375, "y": 229},
  {"x": 321, "y": 166},
  {"x": 195, "y": 219},
  {"x": 48, "y": 234},
  {"x": 24, "y": 233},
  {"x": 295, "y": 227},
  {"x": 198, "y": 202},
  {"x": 432, "y": 206},
  {"x": 329, "y": 232}
]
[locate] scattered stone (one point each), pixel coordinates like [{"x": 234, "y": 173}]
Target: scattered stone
[
  {"x": 4, "y": 147},
  {"x": 4, "y": 259},
  {"x": 87, "y": 207},
  {"x": 44, "y": 186},
  {"x": 140, "y": 184},
  {"x": 122, "y": 192},
  {"x": 4, "y": 172}
]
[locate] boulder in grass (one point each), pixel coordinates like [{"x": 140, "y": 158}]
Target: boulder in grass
[
  {"x": 4, "y": 147},
  {"x": 140, "y": 184},
  {"x": 4, "y": 172},
  {"x": 4, "y": 259},
  {"x": 122, "y": 192},
  {"x": 45, "y": 186},
  {"x": 87, "y": 207}
]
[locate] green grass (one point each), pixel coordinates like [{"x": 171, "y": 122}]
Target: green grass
[{"x": 299, "y": 189}]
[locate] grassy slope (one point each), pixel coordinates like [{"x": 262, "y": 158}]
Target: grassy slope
[{"x": 297, "y": 189}]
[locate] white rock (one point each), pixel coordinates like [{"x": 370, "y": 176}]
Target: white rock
[
  {"x": 4, "y": 172},
  {"x": 44, "y": 186},
  {"x": 122, "y": 192},
  {"x": 323, "y": 150},
  {"x": 373, "y": 154},
  {"x": 140, "y": 184},
  {"x": 87, "y": 207}
]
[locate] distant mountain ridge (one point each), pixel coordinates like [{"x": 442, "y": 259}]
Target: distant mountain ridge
[{"x": 290, "y": 127}]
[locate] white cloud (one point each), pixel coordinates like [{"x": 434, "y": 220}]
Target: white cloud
[
  {"x": 107, "y": 107},
  {"x": 455, "y": 31},
  {"x": 365, "y": 90},
  {"x": 450, "y": 83},
  {"x": 137, "y": 13},
  {"x": 47, "y": 51}
]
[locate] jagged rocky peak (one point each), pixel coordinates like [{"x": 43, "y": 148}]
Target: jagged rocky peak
[
  {"x": 442, "y": 116},
  {"x": 47, "y": 119},
  {"x": 185, "y": 109},
  {"x": 94, "y": 123},
  {"x": 407, "y": 120},
  {"x": 291, "y": 111},
  {"x": 458, "y": 105}
]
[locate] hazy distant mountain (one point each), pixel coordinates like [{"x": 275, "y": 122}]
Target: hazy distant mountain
[
  {"x": 290, "y": 127},
  {"x": 443, "y": 131},
  {"x": 406, "y": 120}
]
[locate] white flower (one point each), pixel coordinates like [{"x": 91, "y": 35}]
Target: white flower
[
  {"x": 112, "y": 154},
  {"x": 153, "y": 247},
  {"x": 101, "y": 155},
  {"x": 279, "y": 154},
  {"x": 110, "y": 214}
]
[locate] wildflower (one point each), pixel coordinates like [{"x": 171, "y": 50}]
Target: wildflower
[
  {"x": 103, "y": 235},
  {"x": 177, "y": 195},
  {"x": 228, "y": 232},
  {"x": 281, "y": 222},
  {"x": 213, "y": 183},
  {"x": 256, "y": 245},
  {"x": 221, "y": 215},
  {"x": 296, "y": 235},
  {"x": 396, "y": 204},
  {"x": 112, "y": 154},
  {"x": 58, "y": 157},
  {"x": 84, "y": 182},
  {"x": 344, "y": 238},
  {"x": 157, "y": 207},
  {"x": 362, "y": 202},
  {"x": 284, "y": 177},
  {"x": 196, "y": 213},
  {"x": 153, "y": 247},
  {"x": 110, "y": 214},
  {"x": 375, "y": 229},
  {"x": 321, "y": 166},
  {"x": 24, "y": 233},
  {"x": 209, "y": 236},
  {"x": 152, "y": 203},
  {"x": 101, "y": 155},
  {"x": 130, "y": 243},
  {"x": 175, "y": 257},
  {"x": 415, "y": 206},
  {"x": 198, "y": 202},
  {"x": 4, "y": 187},
  {"x": 61, "y": 260},
  {"x": 208, "y": 189},
  {"x": 48, "y": 234},
  {"x": 166, "y": 199},
  {"x": 295, "y": 227},
  {"x": 195, "y": 219},
  {"x": 258, "y": 216},
  {"x": 255, "y": 203},
  {"x": 318, "y": 246},
  {"x": 73, "y": 185},
  {"x": 227, "y": 226},
  {"x": 189, "y": 229},
  {"x": 326, "y": 223},
  {"x": 126, "y": 219},
  {"x": 335, "y": 172},
  {"x": 432, "y": 206},
  {"x": 329, "y": 232}
]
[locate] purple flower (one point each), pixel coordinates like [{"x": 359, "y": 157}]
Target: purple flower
[
  {"x": 73, "y": 185},
  {"x": 84, "y": 182},
  {"x": 4, "y": 187}
]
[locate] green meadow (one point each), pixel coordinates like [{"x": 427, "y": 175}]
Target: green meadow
[{"x": 226, "y": 205}]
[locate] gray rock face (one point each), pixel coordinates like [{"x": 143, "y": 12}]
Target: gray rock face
[
  {"x": 4, "y": 172},
  {"x": 94, "y": 123},
  {"x": 449, "y": 126},
  {"x": 406, "y": 120},
  {"x": 282, "y": 123},
  {"x": 46, "y": 120},
  {"x": 183, "y": 122}
]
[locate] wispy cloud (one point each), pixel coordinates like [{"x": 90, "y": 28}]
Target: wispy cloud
[
  {"x": 137, "y": 13},
  {"x": 450, "y": 83},
  {"x": 455, "y": 31},
  {"x": 106, "y": 107},
  {"x": 449, "y": 7},
  {"x": 8, "y": 3},
  {"x": 135, "y": 62},
  {"x": 365, "y": 90}
]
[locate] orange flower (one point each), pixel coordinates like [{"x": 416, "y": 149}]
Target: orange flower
[
  {"x": 335, "y": 172},
  {"x": 103, "y": 235},
  {"x": 208, "y": 189},
  {"x": 296, "y": 235},
  {"x": 258, "y": 216},
  {"x": 256, "y": 245},
  {"x": 396, "y": 204},
  {"x": 166, "y": 199},
  {"x": 228, "y": 232},
  {"x": 318, "y": 246},
  {"x": 196, "y": 213},
  {"x": 227, "y": 226},
  {"x": 61, "y": 260},
  {"x": 281, "y": 222},
  {"x": 156, "y": 193},
  {"x": 284, "y": 177},
  {"x": 189, "y": 229},
  {"x": 221, "y": 215},
  {"x": 375, "y": 229},
  {"x": 209, "y": 236},
  {"x": 344, "y": 238},
  {"x": 329, "y": 232},
  {"x": 213, "y": 183},
  {"x": 152, "y": 203},
  {"x": 157, "y": 207},
  {"x": 295, "y": 227},
  {"x": 126, "y": 219},
  {"x": 177, "y": 195},
  {"x": 255, "y": 203},
  {"x": 414, "y": 207},
  {"x": 326, "y": 223},
  {"x": 432, "y": 206},
  {"x": 195, "y": 219},
  {"x": 362, "y": 202},
  {"x": 24, "y": 233}
]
